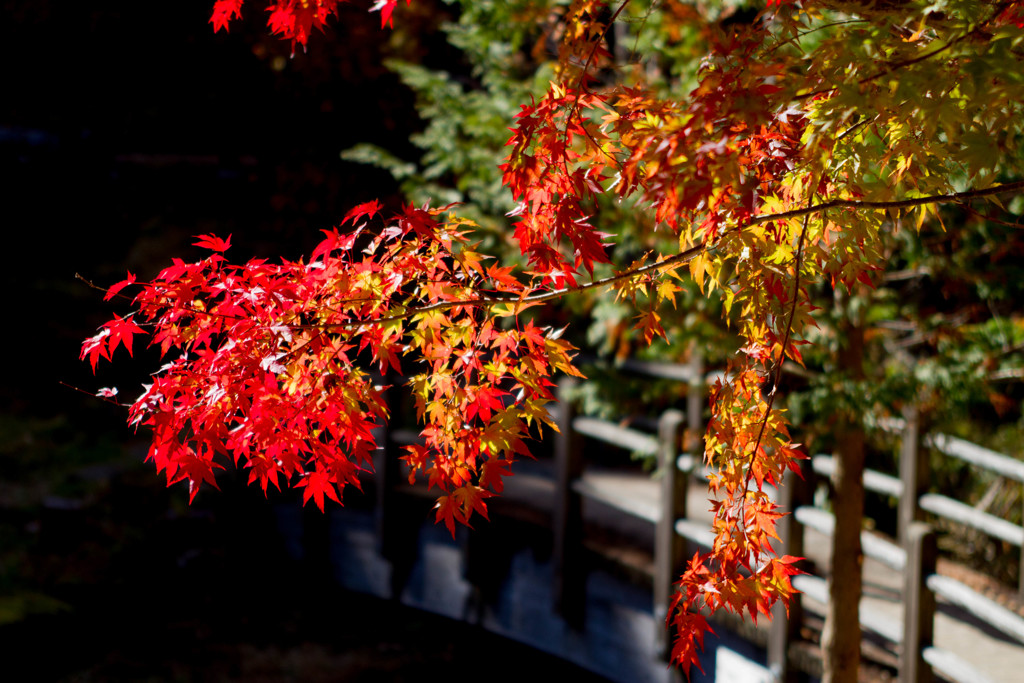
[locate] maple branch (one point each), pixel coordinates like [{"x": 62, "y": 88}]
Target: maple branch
[
  {"x": 993, "y": 219},
  {"x": 803, "y": 34},
  {"x": 1008, "y": 375},
  {"x": 955, "y": 197},
  {"x": 691, "y": 253},
  {"x": 676, "y": 260},
  {"x": 581, "y": 86},
  {"x": 854, "y": 127},
  {"x": 920, "y": 58},
  {"x": 673, "y": 261},
  {"x": 782, "y": 355},
  {"x": 586, "y": 66},
  {"x": 890, "y": 67},
  {"x": 93, "y": 285}
]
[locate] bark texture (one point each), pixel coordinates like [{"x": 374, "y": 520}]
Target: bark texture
[{"x": 841, "y": 637}]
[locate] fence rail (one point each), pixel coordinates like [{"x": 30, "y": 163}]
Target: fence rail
[
  {"x": 678, "y": 451},
  {"x": 913, "y": 555}
]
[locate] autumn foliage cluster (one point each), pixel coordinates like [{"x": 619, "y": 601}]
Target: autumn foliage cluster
[
  {"x": 811, "y": 129},
  {"x": 294, "y": 20}
]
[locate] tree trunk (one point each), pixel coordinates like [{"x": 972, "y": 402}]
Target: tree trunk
[{"x": 841, "y": 637}]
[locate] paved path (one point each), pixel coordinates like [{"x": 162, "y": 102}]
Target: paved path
[
  {"x": 617, "y": 640},
  {"x": 996, "y": 655},
  {"x": 992, "y": 653}
]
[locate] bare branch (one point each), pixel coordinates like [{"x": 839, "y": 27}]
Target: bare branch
[{"x": 1008, "y": 375}]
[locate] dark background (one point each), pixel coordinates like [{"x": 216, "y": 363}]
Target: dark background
[{"x": 126, "y": 128}]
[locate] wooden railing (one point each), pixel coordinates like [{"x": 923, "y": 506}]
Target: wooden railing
[
  {"x": 572, "y": 486},
  {"x": 914, "y": 475},
  {"x": 913, "y": 555}
]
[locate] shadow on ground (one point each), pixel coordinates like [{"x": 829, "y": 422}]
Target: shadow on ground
[{"x": 120, "y": 580}]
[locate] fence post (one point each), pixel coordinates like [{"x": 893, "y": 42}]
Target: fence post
[
  {"x": 668, "y": 545},
  {"x": 913, "y": 471},
  {"x": 316, "y": 543},
  {"x": 695, "y": 400},
  {"x": 785, "y": 628},
  {"x": 388, "y": 471},
  {"x": 396, "y": 531},
  {"x": 1020, "y": 580},
  {"x": 919, "y": 604},
  {"x": 570, "y": 578}
]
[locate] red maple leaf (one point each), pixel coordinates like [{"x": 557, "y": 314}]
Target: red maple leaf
[
  {"x": 368, "y": 209},
  {"x": 113, "y": 290},
  {"x": 487, "y": 399},
  {"x": 686, "y": 649},
  {"x": 121, "y": 331},
  {"x": 196, "y": 469},
  {"x": 493, "y": 473},
  {"x": 95, "y": 347},
  {"x": 295, "y": 19},
  {"x": 448, "y": 510},
  {"x": 213, "y": 242},
  {"x": 333, "y": 242},
  {"x": 471, "y": 498},
  {"x": 386, "y": 7},
  {"x": 223, "y": 12},
  {"x": 318, "y": 483}
]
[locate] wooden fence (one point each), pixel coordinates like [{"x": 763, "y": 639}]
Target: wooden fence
[
  {"x": 913, "y": 555},
  {"x": 667, "y": 514}
]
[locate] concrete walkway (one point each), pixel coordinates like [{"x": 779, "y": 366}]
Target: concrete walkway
[
  {"x": 515, "y": 599},
  {"x": 616, "y": 642},
  {"x": 994, "y": 654}
]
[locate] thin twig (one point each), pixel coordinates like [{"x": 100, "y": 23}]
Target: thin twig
[
  {"x": 798, "y": 36},
  {"x": 895, "y": 204},
  {"x": 854, "y": 127},
  {"x": 782, "y": 356},
  {"x": 107, "y": 399},
  {"x": 581, "y": 87},
  {"x": 889, "y": 68}
]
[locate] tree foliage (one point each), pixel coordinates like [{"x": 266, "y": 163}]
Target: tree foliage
[{"x": 762, "y": 153}]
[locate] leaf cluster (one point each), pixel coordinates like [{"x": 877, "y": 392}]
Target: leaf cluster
[{"x": 759, "y": 160}]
